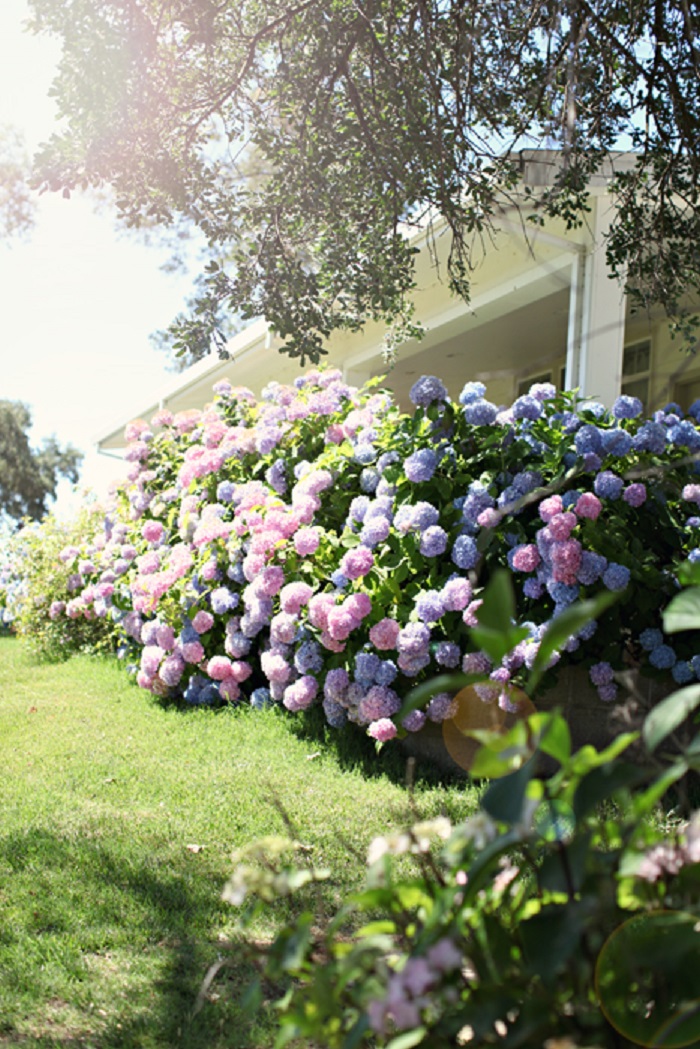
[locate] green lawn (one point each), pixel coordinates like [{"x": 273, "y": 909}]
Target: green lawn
[{"x": 108, "y": 918}]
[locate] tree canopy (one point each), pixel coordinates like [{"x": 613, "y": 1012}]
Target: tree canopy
[
  {"x": 16, "y": 205},
  {"x": 304, "y": 139},
  {"x": 28, "y": 476}
]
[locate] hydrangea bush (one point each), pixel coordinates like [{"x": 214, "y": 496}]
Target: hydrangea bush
[
  {"x": 34, "y": 581},
  {"x": 319, "y": 547}
]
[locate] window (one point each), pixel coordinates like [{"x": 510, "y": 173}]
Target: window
[{"x": 636, "y": 370}]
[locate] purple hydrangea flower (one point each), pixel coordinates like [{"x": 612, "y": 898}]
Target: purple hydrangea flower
[
  {"x": 601, "y": 674},
  {"x": 448, "y": 654},
  {"x": 421, "y": 465},
  {"x": 592, "y": 567},
  {"x": 375, "y": 531},
  {"x": 635, "y": 495},
  {"x": 464, "y": 552},
  {"x": 429, "y": 606},
  {"x": 433, "y": 541},
  {"x": 427, "y": 390}
]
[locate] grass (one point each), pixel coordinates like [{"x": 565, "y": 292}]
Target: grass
[{"x": 109, "y": 918}]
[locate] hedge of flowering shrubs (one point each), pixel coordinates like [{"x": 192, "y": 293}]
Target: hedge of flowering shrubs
[{"x": 316, "y": 546}]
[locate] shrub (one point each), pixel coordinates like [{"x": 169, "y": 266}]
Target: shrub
[
  {"x": 37, "y": 585},
  {"x": 319, "y": 547}
]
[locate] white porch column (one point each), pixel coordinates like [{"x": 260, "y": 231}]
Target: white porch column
[{"x": 596, "y": 317}]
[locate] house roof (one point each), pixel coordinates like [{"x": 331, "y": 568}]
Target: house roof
[{"x": 520, "y": 290}]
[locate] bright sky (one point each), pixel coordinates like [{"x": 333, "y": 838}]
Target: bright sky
[{"x": 78, "y": 302}]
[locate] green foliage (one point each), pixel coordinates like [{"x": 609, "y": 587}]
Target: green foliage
[
  {"x": 33, "y": 579},
  {"x": 304, "y": 140},
  {"x": 29, "y": 477},
  {"x": 562, "y": 910}
]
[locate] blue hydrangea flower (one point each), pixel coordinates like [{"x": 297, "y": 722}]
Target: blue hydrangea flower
[
  {"x": 222, "y": 600},
  {"x": 358, "y": 508},
  {"x": 365, "y": 454},
  {"x": 375, "y": 531},
  {"x": 682, "y": 672},
  {"x": 651, "y": 437},
  {"x": 626, "y": 407},
  {"x": 386, "y": 459},
  {"x": 225, "y": 491},
  {"x": 425, "y": 515},
  {"x": 472, "y": 391},
  {"x": 260, "y": 698},
  {"x": 366, "y": 666},
  {"x": 616, "y": 442},
  {"x": 386, "y": 672},
  {"x": 464, "y": 552},
  {"x": 694, "y": 410},
  {"x": 594, "y": 407},
  {"x": 662, "y": 657},
  {"x": 448, "y": 654},
  {"x": 427, "y": 390},
  {"x": 526, "y": 481},
  {"x": 336, "y": 715},
  {"x": 421, "y": 465},
  {"x": 651, "y": 638},
  {"x": 592, "y": 567},
  {"x": 588, "y": 439},
  {"x": 527, "y": 407},
  {"x": 608, "y": 485},
  {"x": 570, "y": 498},
  {"x": 339, "y": 580},
  {"x": 433, "y": 541},
  {"x": 429, "y": 606},
  {"x": 369, "y": 479},
  {"x": 616, "y": 577},
  {"x": 685, "y": 435},
  {"x": 480, "y": 413}
]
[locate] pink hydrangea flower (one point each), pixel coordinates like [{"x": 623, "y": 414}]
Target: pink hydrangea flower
[
  {"x": 275, "y": 667},
  {"x": 566, "y": 561},
  {"x": 384, "y": 634},
  {"x": 192, "y": 652},
  {"x": 219, "y": 668},
  {"x": 382, "y": 730},
  {"x": 152, "y": 531},
  {"x": 203, "y": 621},
  {"x": 300, "y": 694},
  {"x": 526, "y": 558},
  {"x": 306, "y": 541},
  {"x": 550, "y": 507},
  {"x": 357, "y": 562},
  {"x": 561, "y": 525},
  {"x": 359, "y": 605},
  {"x": 240, "y": 670},
  {"x": 228, "y": 689},
  {"x": 294, "y": 595},
  {"x": 589, "y": 506}
]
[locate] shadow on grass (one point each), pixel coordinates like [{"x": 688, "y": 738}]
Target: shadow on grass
[{"x": 109, "y": 951}]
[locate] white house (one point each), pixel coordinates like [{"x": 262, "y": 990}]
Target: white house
[{"x": 543, "y": 308}]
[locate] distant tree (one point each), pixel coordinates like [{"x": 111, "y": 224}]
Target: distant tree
[
  {"x": 304, "y": 138},
  {"x": 29, "y": 477},
  {"x": 16, "y": 204}
]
